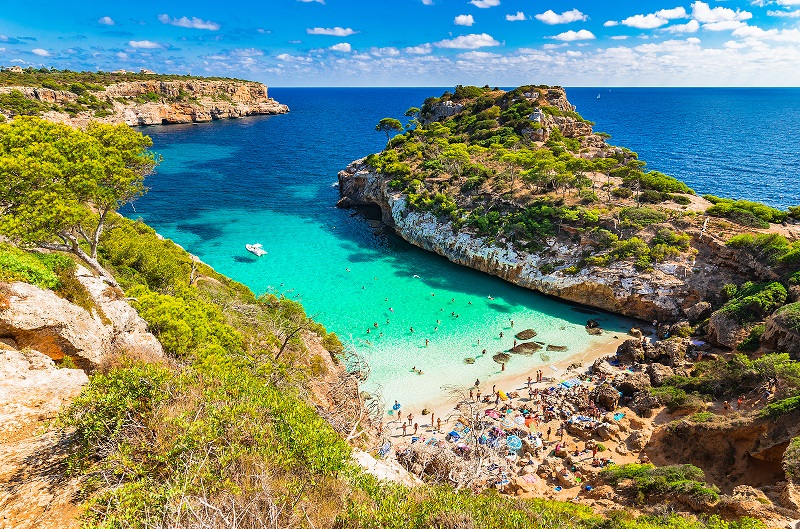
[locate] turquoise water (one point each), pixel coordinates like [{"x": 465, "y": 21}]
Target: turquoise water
[{"x": 270, "y": 180}]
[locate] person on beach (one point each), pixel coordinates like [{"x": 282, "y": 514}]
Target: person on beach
[
  {"x": 432, "y": 414},
  {"x": 501, "y": 334},
  {"x": 416, "y": 427},
  {"x": 512, "y": 324},
  {"x": 438, "y": 425},
  {"x": 471, "y": 395},
  {"x": 549, "y": 431},
  {"x": 477, "y": 382},
  {"x": 410, "y": 419},
  {"x": 503, "y": 366},
  {"x": 404, "y": 429},
  {"x": 529, "y": 382},
  {"x": 426, "y": 342},
  {"x": 739, "y": 402},
  {"x": 478, "y": 396}
]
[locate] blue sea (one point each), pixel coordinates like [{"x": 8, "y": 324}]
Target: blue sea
[{"x": 271, "y": 180}]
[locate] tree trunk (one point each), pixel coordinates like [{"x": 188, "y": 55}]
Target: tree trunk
[{"x": 75, "y": 249}]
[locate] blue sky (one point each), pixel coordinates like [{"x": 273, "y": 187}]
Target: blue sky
[{"x": 418, "y": 42}]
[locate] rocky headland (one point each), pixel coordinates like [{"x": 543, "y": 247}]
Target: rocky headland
[{"x": 152, "y": 102}]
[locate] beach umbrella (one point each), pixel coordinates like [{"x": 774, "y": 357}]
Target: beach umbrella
[
  {"x": 514, "y": 442},
  {"x": 519, "y": 420},
  {"x": 529, "y": 421},
  {"x": 396, "y": 406},
  {"x": 508, "y": 423}
]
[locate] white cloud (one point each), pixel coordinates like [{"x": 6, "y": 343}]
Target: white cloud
[
  {"x": 690, "y": 27},
  {"x": 40, "y": 52},
  {"x": 724, "y": 25},
  {"x": 464, "y": 20},
  {"x": 106, "y": 21},
  {"x": 789, "y": 2},
  {"x": 292, "y": 58},
  {"x": 422, "y": 49},
  {"x": 619, "y": 37},
  {"x": 645, "y": 21},
  {"x": 669, "y": 46},
  {"x": 483, "y": 4},
  {"x": 706, "y": 15},
  {"x": 385, "y": 52},
  {"x": 342, "y": 46},
  {"x": 144, "y": 44},
  {"x": 756, "y": 33},
  {"x": 610, "y": 23},
  {"x": 469, "y": 42},
  {"x": 669, "y": 14},
  {"x": 787, "y": 14},
  {"x": 186, "y": 22},
  {"x": 513, "y": 18},
  {"x": 427, "y": 2},
  {"x": 569, "y": 36},
  {"x": 551, "y": 17},
  {"x": 334, "y": 32},
  {"x": 310, "y": 1},
  {"x": 246, "y": 52},
  {"x": 472, "y": 55}
]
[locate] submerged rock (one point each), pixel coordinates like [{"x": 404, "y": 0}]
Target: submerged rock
[{"x": 527, "y": 334}]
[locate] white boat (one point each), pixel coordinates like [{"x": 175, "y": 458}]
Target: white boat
[
  {"x": 598, "y": 96},
  {"x": 255, "y": 249}
]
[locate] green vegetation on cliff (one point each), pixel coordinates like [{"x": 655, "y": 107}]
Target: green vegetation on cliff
[{"x": 81, "y": 82}]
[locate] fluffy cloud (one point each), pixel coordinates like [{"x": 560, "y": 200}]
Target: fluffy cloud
[
  {"x": 645, "y": 21},
  {"x": 619, "y": 37},
  {"x": 787, "y": 14},
  {"x": 469, "y": 42},
  {"x": 186, "y": 22},
  {"x": 690, "y": 27},
  {"x": 513, "y": 18},
  {"x": 483, "y": 4},
  {"x": 669, "y": 14},
  {"x": 551, "y": 17},
  {"x": 668, "y": 46},
  {"x": 342, "y": 46},
  {"x": 789, "y": 2},
  {"x": 144, "y": 44},
  {"x": 422, "y": 49},
  {"x": 40, "y": 52},
  {"x": 706, "y": 15},
  {"x": 106, "y": 21},
  {"x": 724, "y": 25},
  {"x": 610, "y": 23},
  {"x": 756, "y": 33},
  {"x": 385, "y": 52},
  {"x": 292, "y": 58},
  {"x": 427, "y": 2},
  {"x": 464, "y": 20},
  {"x": 310, "y": 1},
  {"x": 569, "y": 36},
  {"x": 334, "y": 32}
]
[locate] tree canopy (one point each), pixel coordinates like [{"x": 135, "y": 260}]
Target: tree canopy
[
  {"x": 389, "y": 124},
  {"x": 58, "y": 184}
]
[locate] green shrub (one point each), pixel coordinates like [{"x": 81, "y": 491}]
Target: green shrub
[
  {"x": 755, "y": 301},
  {"x": 675, "y": 398},
  {"x": 622, "y": 192},
  {"x": 745, "y": 212},
  {"x": 15, "y": 103},
  {"x": 772, "y": 248},
  {"x": 791, "y": 459},
  {"x": 34, "y": 268},
  {"x": 702, "y": 416},
  {"x": 656, "y": 181},
  {"x": 683, "y": 200},
  {"x": 641, "y": 217},
  {"x": 753, "y": 341},
  {"x": 790, "y": 315},
  {"x": 781, "y": 407},
  {"x": 675, "y": 479}
]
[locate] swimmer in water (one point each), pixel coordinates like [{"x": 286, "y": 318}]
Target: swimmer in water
[
  {"x": 426, "y": 342},
  {"x": 368, "y": 331},
  {"x": 375, "y": 324},
  {"x": 412, "y": 329},
  {"x": 490, "y": 297},
  {"x": 346, "y": 270},
  {"x": 391, "y": 309}
]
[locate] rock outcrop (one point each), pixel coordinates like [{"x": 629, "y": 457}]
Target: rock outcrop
[
  {"x": 664, "y": 293},
  {"x": 781, "y": 332},
  {"x": 39, "y": 319},
  {"x": 155, "y": 102},
  {"x": 724, "y": 330}
]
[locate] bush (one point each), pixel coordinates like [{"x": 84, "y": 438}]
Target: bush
[
  {"x": 781, "y": 407},
  {"x": 622, "y": 192},
  {"x": 34, "y": 268},
  {"x": 17, "y": 104},
  {"x": 675, "y": 398},
  {"x": 683, "y": 200},
  {"x": 791, "y": 459},
  {"x": 753, "y": 341},
  {"x": 771, "y": 248},
  {"x": 641, "y": 217},
  {"x": 674, "y": 479},
  {"x": 745, "y": 212},
  {"x": 755, "y": 301},
  {"x": 660, "y": 182}
]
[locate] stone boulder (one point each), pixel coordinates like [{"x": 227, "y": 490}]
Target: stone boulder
[
  {"x": 632, "y": 383},
  {"x": 698, "y": 312},
  {"x": 606, "y": 396},
  {"x": 658, "y": 373},
  {"x": 644, "y": 403},
  {"x": 681, "y": 328},
  {"x": 636, "y": 333},
  {"x": 129, "y": 331},
  {"x": 781, "y": 333},
  {"x": 725, "y": 331},
  {"x": 630, "y": 352},
  {"x": 607, "y": 431},
  {"x": 670, "y": 352},
  {"x": 637, "y": 440},
  {"x": 40, "y": 320},
  {"x": 602, "y": 367}
]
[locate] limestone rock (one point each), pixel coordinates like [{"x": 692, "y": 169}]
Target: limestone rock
[
  {"x": 698, "y": 311},
  {"x": 637, "y": 440},
  {"x": 636, "y": 333},
  {"x": 658, "y": 373},
  {"x": 631, "y": 383},
  {"x": 606, "y": 396},
  {"x": 129, "y": 332},
  {"x": 630, "y": 351},
  {"x": 602, "y": 367},
  {"x": 780, "y": 334},
  {"x": 670, "y": 352},
  {"x": 41, "y": 320},
  {"x": 724, "y": 330},
  {"x": 644, "y": 403},
  {"x": 607, "y": 431}
]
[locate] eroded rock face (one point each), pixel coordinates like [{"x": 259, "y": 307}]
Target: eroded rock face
[
  {"x": 724, "y": 330},
  {"x": 201, "y": 101},
  {"x": 40, "y": 320},
  {"x": 781, "y": 335},
  {"x": 606, "y": 396}
]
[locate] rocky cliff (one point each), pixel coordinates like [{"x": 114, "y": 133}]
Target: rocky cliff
[
  {"x": 669, "y": 292},
  {"x": 157, "y": 102}
]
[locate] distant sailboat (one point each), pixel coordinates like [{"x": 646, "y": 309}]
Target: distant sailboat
[{"x": 598, "y": 96}]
